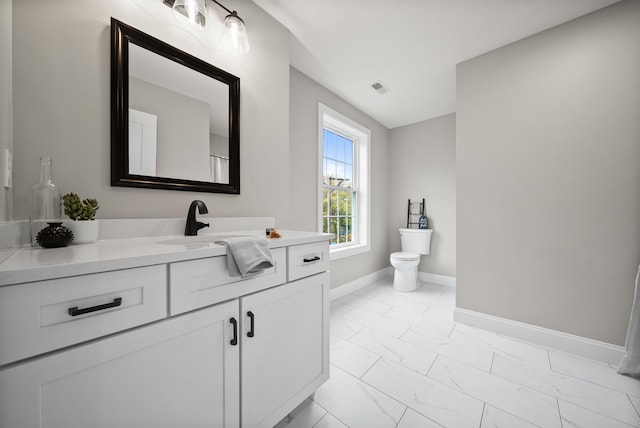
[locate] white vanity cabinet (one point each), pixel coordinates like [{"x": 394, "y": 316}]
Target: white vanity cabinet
[
  {"x": 285, "y": 348},
  {"x": 179, "y": 344},
  {"x": 284, "y": 329},
  {"x": 180, "y": 372},
  {"x": 42, "y": 316}
]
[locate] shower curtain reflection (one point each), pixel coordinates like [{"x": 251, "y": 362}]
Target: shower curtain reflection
[{"x": 220, "y": 169}]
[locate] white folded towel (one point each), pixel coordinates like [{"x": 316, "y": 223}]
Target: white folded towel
[{"x": 247, "y": 255}]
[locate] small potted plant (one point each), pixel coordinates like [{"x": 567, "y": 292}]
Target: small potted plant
[{"x": 83, "y": 213}]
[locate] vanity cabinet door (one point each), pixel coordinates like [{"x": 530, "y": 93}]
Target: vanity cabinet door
[
  {"x": 285, "y": 348},
  {"x": 180, "y": 372}
]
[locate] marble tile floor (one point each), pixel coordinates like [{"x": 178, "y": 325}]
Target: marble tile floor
[{"x": 398, "y": 360}]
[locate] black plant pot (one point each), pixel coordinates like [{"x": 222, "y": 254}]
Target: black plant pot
[{"x": 54, "y": 236}]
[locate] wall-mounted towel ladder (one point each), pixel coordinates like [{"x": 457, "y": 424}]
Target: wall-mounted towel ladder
[{"x": 415, "y": 210}]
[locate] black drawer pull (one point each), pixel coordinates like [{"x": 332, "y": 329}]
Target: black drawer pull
[
  {"x": 234, "y": 341},
  {"x": 315, "y": 259},
  {"x": 74, "y": 312},
  {"x": 251, "y": 331}
]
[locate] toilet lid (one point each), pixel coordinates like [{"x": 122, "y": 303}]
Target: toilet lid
[{"x": 405, "y": 256}]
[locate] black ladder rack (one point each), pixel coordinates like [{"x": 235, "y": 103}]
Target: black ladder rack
[{"x": 413, "y": 215}]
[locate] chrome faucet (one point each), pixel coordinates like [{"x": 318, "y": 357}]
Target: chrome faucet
[{"x": 192, "y": 227}]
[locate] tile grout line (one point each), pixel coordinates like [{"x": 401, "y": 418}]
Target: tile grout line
[
  {"x": 455, "y": 327},
  {"x": 328, "y": 413},
  {"x": 633, "y": 405},
  {"x": 377, "y": 389},
  {"x": 400, "y": 361},
  {"x": 323, "y": 416},
  {"x": 559, "y": 412},
  {"x": 367, "y": 371},
  {"x": 574, "y": 377},
  {"x": 597, "y": 412},
  {"x": 431, "y": 366},
  {"x": 419, "y": 328},
  {"x": 402, "y": 417},
  {"x": 484, "y": 404},
  {"x": 406, "y": 405},
  {"x": 582, "y": 379},
  {"x": 426, "y": 310},
  {"x": 570, "y": 402},
  {"x": 515, "y": 416},
  {"x": 519, "y": 385}
]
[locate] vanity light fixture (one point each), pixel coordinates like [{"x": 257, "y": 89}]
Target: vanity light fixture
[
  {"x": 234, "y": 34},
  {"x": 192, "y": 15}
]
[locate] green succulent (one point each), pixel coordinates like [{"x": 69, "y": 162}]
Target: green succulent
[{"x": 77, "y": 209}]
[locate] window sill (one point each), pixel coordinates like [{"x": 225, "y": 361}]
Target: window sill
[{"x": 352, "y": 250}]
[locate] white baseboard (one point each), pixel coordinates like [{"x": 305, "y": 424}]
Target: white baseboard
[
  {"x": 357, "y": 284},
  {"x": 437, "y": 279},
  {"x": 585, "y": 347},
  {"x": 588, "y": 348}
]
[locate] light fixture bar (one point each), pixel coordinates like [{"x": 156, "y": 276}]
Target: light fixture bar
[
  {"x": 228, "y": 11},
  {"x": 234, "y": 34}
]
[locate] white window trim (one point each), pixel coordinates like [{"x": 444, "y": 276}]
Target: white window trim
[{"x": 361, "y": 136}]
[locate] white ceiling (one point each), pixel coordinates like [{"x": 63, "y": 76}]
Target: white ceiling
[{"x": 412, "y": 46}]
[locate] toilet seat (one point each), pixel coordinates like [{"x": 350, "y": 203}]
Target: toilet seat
[{"x": 405, "y": 256}]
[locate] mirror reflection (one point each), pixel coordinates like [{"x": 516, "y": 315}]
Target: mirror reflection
[
  {"x": 178, "y": 120},
  {"x": 174, "y": 117}
]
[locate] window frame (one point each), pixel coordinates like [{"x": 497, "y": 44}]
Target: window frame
[{"x": 338, "y": 123}]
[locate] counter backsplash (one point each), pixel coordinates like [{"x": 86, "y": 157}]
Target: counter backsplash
[{"x": 15, "y": 234}]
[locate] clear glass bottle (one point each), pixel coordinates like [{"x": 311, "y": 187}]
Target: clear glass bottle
[{"x": 45, "y": 201}]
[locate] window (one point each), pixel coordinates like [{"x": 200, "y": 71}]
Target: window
[
  {"x": 344, "y": 182},
  {"x": 339, "y": 194}
]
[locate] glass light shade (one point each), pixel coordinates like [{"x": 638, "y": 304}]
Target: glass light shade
[
  {"x": 234, "y": 35},
  {"x": 191, "y": 14}
]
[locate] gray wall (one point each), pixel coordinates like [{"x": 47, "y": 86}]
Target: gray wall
[
  {"x": 303, "y": 186},
  {"x": 62, "y": 96},
  {"x": 183, "y": 146},
  {"x": 422, "y": 164},
  {"x": 548, "y": 176},
  {"x": 61, "y": 109},
  {"x": 6, "y": 104}
]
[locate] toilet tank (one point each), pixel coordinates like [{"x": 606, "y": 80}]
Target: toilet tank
[{"x": 416, "y": 240}]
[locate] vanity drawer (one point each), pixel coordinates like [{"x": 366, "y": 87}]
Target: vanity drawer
[
  {"x": 308, "y": 259},
  {"x": 42, "y": 316},
  {"x": 198, "y": 283}
]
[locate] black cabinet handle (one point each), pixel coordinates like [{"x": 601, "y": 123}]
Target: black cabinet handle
[
  {"x": 234, "y": 341},
  {"x": 251, "y": 316},
  {"x": 315, "y": 259},
  {"x": 74, "y": 312}
]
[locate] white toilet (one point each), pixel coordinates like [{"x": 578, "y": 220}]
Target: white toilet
[{"x": 415, "y": 242}]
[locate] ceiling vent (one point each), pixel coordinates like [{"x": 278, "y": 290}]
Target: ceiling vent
[{"x": 379, "y": 87}]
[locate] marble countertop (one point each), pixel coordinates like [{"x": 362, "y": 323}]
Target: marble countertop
[{"x": 28, "y": 264}]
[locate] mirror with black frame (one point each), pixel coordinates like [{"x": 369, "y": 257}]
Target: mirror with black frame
[{"x": 174, "y": 118}]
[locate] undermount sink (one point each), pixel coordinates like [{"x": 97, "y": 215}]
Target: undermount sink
[{"x": 199, "y": 239}]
